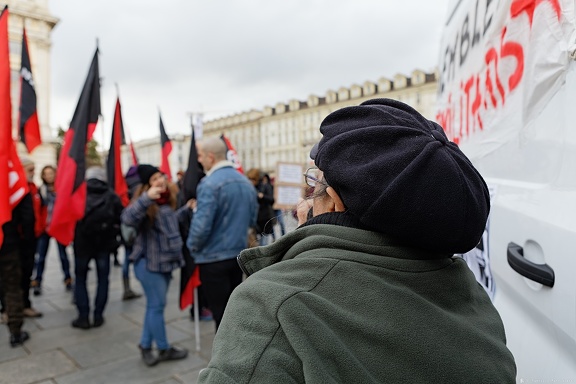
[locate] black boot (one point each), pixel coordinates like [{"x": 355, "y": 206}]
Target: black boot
[
  {"x": 172, "y": 353},
  {"x": 128, "y": 293},
  {"x": 148, "y": 356},
  {"x": 81, "y": 323},
  {"x": 17, "y": 339}
]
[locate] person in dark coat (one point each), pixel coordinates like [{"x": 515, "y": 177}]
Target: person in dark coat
[
  {"x": 368, "y": 289},
  {"x": 97, "y": 234},
  {"x": 266, "y": 217},
  {"x": 18, "y": 234}
]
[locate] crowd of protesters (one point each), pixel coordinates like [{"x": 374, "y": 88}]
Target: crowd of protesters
[
  {"x": 366, "y": 289},
  {"x": 153, "y": 230}
]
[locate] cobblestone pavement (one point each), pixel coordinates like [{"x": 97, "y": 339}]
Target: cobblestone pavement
[{"x": 58, "y": 353}]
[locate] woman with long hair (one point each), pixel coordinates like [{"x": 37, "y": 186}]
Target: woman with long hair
[
  {"x": 48, "y": 197},
  {"x": 156, "y": 252}
]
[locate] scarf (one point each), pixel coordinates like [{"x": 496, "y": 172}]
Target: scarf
[{"x": 164, "y": 197}]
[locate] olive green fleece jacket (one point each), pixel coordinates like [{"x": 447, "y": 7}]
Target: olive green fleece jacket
[{"x": 331, "y": 304}]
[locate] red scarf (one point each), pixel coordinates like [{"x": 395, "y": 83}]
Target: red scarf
[{"x": 164, "y": 197}]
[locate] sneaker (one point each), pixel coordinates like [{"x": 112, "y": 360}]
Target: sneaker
[
  {"x": 98, "y": 321},
  {"x": 68, "y": 284},
  {"x": 81, "y": 323},
  {"x": 36, "y": 288},
  {"x": 148, "y": 356},
  {"x": 17, "y": 339},
  {"x": 129, "y": 295},
  {"x": 205, "y": 314},
  {"x": 172, "y": 353},
  {"x": 31, "y": 312}
]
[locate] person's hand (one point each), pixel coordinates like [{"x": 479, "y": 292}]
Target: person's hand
[
  {"x": 155, "y": 192},
  {"x": 191, "y": 203},
  {"x": 302, "y": 209},
  {"x": 260, "y": 195}
]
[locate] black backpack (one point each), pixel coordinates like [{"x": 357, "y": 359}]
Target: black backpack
[{"x": 101, "y": 222}]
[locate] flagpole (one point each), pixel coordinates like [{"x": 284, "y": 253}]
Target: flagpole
[{"x": 197, "y": 319}]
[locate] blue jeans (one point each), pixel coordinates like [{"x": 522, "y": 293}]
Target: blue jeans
[
  {"x": 266, "y": 239},
  {"x": 155, "y": 285},
  {"x": 81, "y": 261},
  {"x": 43, "y": 242},
  {"x": 126, "y": 263},
  {"x": 280, "y": 218}
]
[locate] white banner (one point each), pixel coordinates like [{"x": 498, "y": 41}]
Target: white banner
[{"x": 501, "y": 62}]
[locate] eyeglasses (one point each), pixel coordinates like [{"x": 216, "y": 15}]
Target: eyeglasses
[{"x": 311, "y": 177}]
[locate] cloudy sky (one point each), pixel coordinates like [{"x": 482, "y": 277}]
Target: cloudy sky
[{"x": 222, "y": 57}]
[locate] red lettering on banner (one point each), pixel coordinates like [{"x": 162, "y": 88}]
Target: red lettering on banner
[
  {"x": 486, "y": 89},
  {"x": 529, "y": 6}
]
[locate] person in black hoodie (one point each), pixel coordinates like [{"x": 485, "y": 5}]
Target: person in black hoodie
[
  {"x": 96, "y": 236},
  {"x": 18, "y": 233},
  {"x": 265, "y": 221}
]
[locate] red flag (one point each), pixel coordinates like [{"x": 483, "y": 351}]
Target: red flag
[
  {"x": 13, "y": 185},
  {"x": 187, "y": 288},
  {"x": 166, "y": 149},
  {"x": 231, "y": 155},
  {"x": 132, "y": 151},
  {"x": 28, "y": 126},
  {"x": 70, "y": 185},
  {"x": 116, "y": 179}
]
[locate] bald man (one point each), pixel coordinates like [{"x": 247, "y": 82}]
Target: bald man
[{"x": 226, "y": 208}]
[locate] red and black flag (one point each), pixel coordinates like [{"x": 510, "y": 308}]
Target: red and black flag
[
  {"x": 189, "y": 274},
  {"x": 132, "y": 151},
  {"x": 116, "y": 179},
  {"x": 70, "y": 184},
  {"x": 13, "y": 185},
  {"x": 231, "y": 154},
  {"x": 28, "y": 126},
  {"x": 194, "y": 172},
  {"x": 166, "y": 149}
]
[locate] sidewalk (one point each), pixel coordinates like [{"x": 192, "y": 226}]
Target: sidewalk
[{"x": 58, "y": 353}]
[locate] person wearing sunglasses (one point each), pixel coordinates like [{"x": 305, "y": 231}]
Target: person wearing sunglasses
[{"x": 367, "y": 289}]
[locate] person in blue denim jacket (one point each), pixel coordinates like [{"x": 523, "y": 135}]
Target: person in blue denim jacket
[
  {"x": 156, "y": 252},
  {"x": 225, "y": 209}
]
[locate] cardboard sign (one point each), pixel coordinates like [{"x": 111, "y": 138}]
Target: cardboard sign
[{"x": 288, "y": 185}]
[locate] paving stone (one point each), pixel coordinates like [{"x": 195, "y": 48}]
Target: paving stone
[
  {"x": 36, "y": 368},
  {"x": 190, "y": 377},
  {"x": 171, "y": 381},
  {"x": 65, "y": 335},
  {"x": 8, "y": 353},
  {"x": 130, "y": 370},
  {"x": 54, "y": 319},
  {"x": 104, "y": 349}
]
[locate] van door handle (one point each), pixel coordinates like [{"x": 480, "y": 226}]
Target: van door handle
[{"x": 540, "y": 273}]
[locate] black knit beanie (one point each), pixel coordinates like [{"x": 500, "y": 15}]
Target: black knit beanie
[
  {"x": 398, "y": 174},
  {"x": 145, "y": 171}
]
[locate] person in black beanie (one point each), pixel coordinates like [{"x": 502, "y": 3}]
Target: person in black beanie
[
  {"x": 156, "y": 252},
  {"x": 367, "y": 289}
]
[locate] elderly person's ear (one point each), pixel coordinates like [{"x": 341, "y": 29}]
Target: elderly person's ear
[{"x": 336, "y": 200}]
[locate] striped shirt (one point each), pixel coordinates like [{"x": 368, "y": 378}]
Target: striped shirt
[{"x": 161, "y": 243}]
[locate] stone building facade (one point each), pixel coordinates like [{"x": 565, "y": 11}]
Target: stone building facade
[
  {"x": 287, "y": 131},
  {"x": 35, "y": 16}
]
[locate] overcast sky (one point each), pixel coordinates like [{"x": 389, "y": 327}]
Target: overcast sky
[{"x": 222, "y": 57}]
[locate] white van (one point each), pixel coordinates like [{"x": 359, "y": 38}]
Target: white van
[{"x": 507, "y": 96}]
